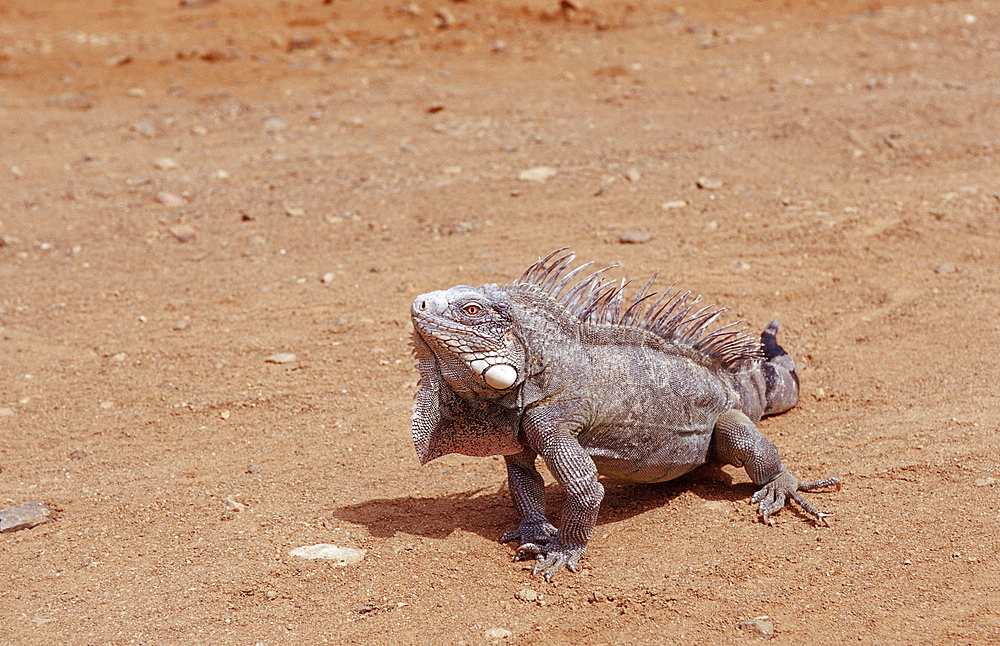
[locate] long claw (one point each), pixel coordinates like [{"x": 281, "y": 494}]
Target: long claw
[
  {"x": 550, "y": 557},
  {"x": 772, "y": 497}
]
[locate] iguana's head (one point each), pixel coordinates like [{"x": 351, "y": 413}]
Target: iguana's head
[{"x": 470, "y": 332}]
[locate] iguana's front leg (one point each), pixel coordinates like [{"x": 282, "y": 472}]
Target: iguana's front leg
[
  {"x": 737, "y": 441},
  {"x": 576, "y": 472},
  {"x": 527, "y": 489}
]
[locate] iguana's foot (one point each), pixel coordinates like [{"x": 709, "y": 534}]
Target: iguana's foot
[
  {"x": 772, "y": 496},
  {"x": 540, "y": 541},
  {"x": 551, "y": 556}
]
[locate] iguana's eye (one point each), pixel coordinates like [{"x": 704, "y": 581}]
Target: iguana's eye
[{"x": 472, "y": 309}]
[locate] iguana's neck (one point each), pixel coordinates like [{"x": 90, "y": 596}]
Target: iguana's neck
[{"x": 550, "y": 335}]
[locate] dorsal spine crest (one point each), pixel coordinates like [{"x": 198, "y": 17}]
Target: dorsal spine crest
[{"x": 671, "y": 316}]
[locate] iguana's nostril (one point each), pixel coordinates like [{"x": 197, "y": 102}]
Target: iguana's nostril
[{"x": 423, "y": 305}]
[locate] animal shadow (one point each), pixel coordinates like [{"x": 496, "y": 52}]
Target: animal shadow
[{"x": 490, "y": 512}]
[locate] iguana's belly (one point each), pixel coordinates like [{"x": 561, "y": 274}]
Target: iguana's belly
[{"x": 647, "y": 454}]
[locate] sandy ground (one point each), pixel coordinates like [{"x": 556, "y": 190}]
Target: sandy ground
[{"x": 188, "y": 188}]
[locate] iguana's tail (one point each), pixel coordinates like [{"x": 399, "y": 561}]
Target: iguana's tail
[{"x": 781, "y": 382}]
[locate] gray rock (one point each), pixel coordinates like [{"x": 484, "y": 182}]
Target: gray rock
[
  {"x": 24, "y": 516},
  {"x": 280, "y": 357},
  {"x": 709, "y": 183}
]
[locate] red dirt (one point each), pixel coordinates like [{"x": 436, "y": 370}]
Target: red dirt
[{"x": 857, "y": 144}]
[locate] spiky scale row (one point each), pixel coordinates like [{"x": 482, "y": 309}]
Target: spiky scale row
[{"x": 671, "y": 316}]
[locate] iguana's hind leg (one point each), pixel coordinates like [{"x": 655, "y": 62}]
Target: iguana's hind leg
[
  {"x": 737, "y": 441},
  {"x": 781, "y": 383}
]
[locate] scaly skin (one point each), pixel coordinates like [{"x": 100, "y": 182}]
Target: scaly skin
[{"x": 546, "y": 367}]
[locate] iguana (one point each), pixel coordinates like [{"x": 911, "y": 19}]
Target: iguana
[{"x": 559, "y": 364}]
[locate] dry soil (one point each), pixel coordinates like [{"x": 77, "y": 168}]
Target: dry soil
[{"x": 188, "y": 188}]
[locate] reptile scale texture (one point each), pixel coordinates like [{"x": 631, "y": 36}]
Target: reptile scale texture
[{"x": 559, "y": 364}]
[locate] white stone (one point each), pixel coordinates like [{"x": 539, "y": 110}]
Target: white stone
[
  {"x": 343, "y": 555},
  {"x": 537, "y": 174}
]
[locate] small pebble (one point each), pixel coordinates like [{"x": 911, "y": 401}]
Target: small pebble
[
  {"x": 183, "y": 232},
  {"x": 6, "y": 412},
  {"x": 118, "y": 61},
  {"x": 709, "y": 184},
  {"x": 144, "y": 128},
  {"x": 327, "y": 278},
  {"x": 233, "y": 505},
  {"x": 271, "y": 595},
  {"x": 673, "y": 204},
  {"x": 171, "y": 199},
  {"x": 984, "y": 482},
  {"x": 274, "y": 124},
  {"x": 77, "y": 454},
  {"x": 363, "y": 608},
  {"x": 633, "y": 175},
  {"x": 597, "y": 597},
  {"x": 537, "y": 174},
  {"x": 762, "y": 626},
  {"x": 280, "y": 357},
  {"x": 70, "y": 101},
  {"x": 946, "y": 268},
  {"x": 634, "y": 237},
  {"x": 444, "y": 18},
  {"x": 165, "y": 163},
  {"x": 498, "y": 633},
  {"x": 526, "y": 595}
]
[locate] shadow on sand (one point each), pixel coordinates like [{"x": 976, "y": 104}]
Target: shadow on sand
[{"x": 490, "y": 512}]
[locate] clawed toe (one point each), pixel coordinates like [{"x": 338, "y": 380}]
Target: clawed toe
[{"x": 773, "y": 496}]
